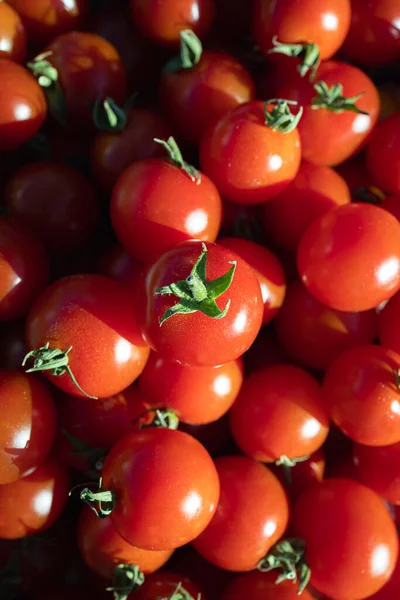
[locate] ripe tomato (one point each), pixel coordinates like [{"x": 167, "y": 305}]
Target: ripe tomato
[
  {"x": 251, "y": 516},
  {"x": 92, "y": 314},
  {"x": 12, "y": 34},
  {"x": 30, "y": 196},
  {"x": 141, "y": 211},
  {"x": 350, "y": 539},
  {"x": 262, "y": 586},
  {"x": 249, "y": 160},
  {"x": 378, "y": 468},
  {"x": 279, "y": 414},
  {"x": 198, "y": 395},
  {"x": 22, "y": 105},
  {"x": 363, "y": 380},
  {"x": 157, "y": 505},
  {"x": 33, "y": 503},
  {"x": 391, "y": 588},
  {"x": 302, "y": 476},
  {"x": 349, "y": 258},
  {"x": 163, "y": 585},
  {"x": 383, "y": 155},
  {"x": 195, "y": 338},
  {"x": 314, "y": 335},
  {"x": 389, "y": 324}
]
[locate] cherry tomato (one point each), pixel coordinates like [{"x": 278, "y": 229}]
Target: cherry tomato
[
  {"x": 349, "y": 258},
  {"x": 195, "y": 338},
  {"x": 351, "y": 541},
  {"x": 279, "y": 414},
  {"x": 378, "y": 468},
  {"x": 249, "y": 161},
  {"x": 22, "y": 105},
  {"x": 383, "y": 155},
  {"x": 31, "y": 194},
  {"x": 157, "y": 505},
  {"x": 363, "y": 380},
  {"x": 12, "y": 34},
  {"x": 92, "y": 314},
  {"x": 390, "y": 589},
  {"x": 262, "y": 586},
  {"x": 33, "y": 503},
  {"x": 389, "y": 324},
  {"x": 251, "y": 516},
  {"x": 163, "y": 585}
]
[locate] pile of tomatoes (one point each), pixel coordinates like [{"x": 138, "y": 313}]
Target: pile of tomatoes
[{"x": 199, "y": 299}]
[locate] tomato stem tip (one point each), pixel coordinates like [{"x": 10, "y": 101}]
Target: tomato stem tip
[
  {"x": 279, "y": 117},
  {"x": 126, "y": 579},
  {"x": 307, "y": 52},
  {"x": 288, "y": 556}
]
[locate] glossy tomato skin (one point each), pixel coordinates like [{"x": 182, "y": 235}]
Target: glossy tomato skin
[
  {"x": 279, "y": 412},
  {"x": 349, "y": 258},
  {"x": 33, "y": 503},
  {"x": 248, "y": 161},
  {"x": 32, "y": 192},
  {"x": 262, "y": 586},
  {"x": 198, "y": 395},
  {"x": 12, "y": 34},
  {"x": 391, "y": 588},
  {"x": 22, "y": 108},
  {"x": 158, "y": 506},
  {"x": 164, "y": 583},
  {"x": 322, "y": 22},
  {"x": 362, "y": 380},
  {"x": 28, "y": 423},
  {"x": 358, "y": 519},
  {"x": 95, "y": 315},
  {"x": 24, "y": 268},
  {"x": 383, "y": 156},
  {"x": 389, "y": 324},
  {"x": 251, "y": 516},
  {"x": 378, "y": 468},
  {"x": 102, "y": 548},
  {"x": 162, "y": 22},
  {"x": 211, "y": 341},
  {"x": 195, "y": 98},
  {"x": 155, "y": 205}
]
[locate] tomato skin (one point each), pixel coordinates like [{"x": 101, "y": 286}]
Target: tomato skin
[
  {"x": 378, "y": 468},
  {"x": 383, "y": 156},
  {"x": 195, "y": 98},
  {"x": 158, "y": 506},
  {"x": 22, "y": 107},
  {"x": 141, "y": 208},
  {"x": 199, "y": 395},
  {"x": 93, "y": 314},
  {"x": 262, "y": 586},
  {"x": 389, "y": 324},
  {"x": 279, "y": 412},
  {"x": 323, "y": 22},
  {"x": 391, "y": 588},
  {"x": 12, "y": 34},
  {"x": 302, "y": 476},
  {"x": 362, "y": 380},
  {"x": 249, "y": 162},
  {"x": 33, "y": 503},
  {"x": 163, "y": 584},
  {"x": 251, "y": 516},
  {"x": 353, "y": 552},
  {"x": 212, "y": 341},
  {"x": 349, "y": 258},
  {"x": 102, "y": 548},
  {"x": 314, "y": 335}
]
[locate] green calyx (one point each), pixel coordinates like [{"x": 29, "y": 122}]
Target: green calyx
[
  {"x": 55, "y": 361},
  {"x": 102, "y": 502},
  {"x": 163, "y": 418},
  {"x": 47, "y": 78},
  {"x": 196, "y": 294},
  {"x": 307, "y": 52},
  {"x": 288, "y": 557},
  {"x": 126, "y": 579},
  {"x": 108, "y": 116},
  {"x": 288, "y": 463},
  {"x": 179, "y": 593},
  {"x": 280, "y": 118},
  {"x": 191, "y": 50},
  {"x": 176, "y": 158},
  {"x": 332, "y": 99}
]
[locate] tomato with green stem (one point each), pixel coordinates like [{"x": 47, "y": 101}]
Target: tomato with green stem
[
  {"x": 383, "y": 156},
  {"x": 168, "y": 585},
  {"x": 12, "y": 34},
  {"x": 378, "y": 468},
  {"x": 262, "y": 586},
  {"x": 204, "y": 305}
]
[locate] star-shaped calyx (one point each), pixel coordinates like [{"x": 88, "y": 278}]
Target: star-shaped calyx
[{"x": 196, "y": 294}]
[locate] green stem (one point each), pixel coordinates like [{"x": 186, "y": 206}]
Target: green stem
[
  {"x": 176, "y": 158},
  {"x": 102, "y": 502},
  {"x": 288, "y": 556},
  {"x": 288, "y": 463},
  {"x": 331, "y": 98},
  {"x": 308, "y": 53},
  {"x": 280, "y": 118},
  {"x": 191, "y": 50},
  {"x": 164, "y": 418},
  {"x": 126, "y": 579}
]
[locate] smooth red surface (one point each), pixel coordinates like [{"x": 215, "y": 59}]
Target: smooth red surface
[
  {"x": 164, "y": 584},
  {"x": 389, "y": 324},
  {"x": 383, "y": 154},
  {"x": 379, "y": 469},
  {"x": 12, "y": 34},
  {"x": 262, "y": 586}
]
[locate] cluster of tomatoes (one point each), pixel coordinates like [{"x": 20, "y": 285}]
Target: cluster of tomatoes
[{"x": 199, "y": 299}]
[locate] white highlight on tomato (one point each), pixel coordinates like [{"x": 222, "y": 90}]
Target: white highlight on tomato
[
  {"x": 197, "y": 221},
  {"x": 361, "y": 124},
  {"x": 222, "y": 385},
  {"x": 22, "y": 112},
  {"x": 330, "y": 21},
  {"x": 380, "y": 560},
  {"x": 240, "y": 322},
  {"x": 310, "y": 428},
  {"x": 123, "y": 351},
  {"x": 388, "y": 270},
  {"x": 192, "y": 504},
  {"x": 21, "y": 438},
  {"x": 275, "y": 162},
  {"x": 269, "y": 528},
  {"x": 42, "y": 502}
]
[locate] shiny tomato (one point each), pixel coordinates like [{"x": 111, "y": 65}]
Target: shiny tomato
[
  {"x": 12, "y": 34},
  {"x": 391, "y": 588},
  {"x": 383, "y": 155},
  {"x": 262, "y": 586},
  {"x": 350, "y": 539},
  {"x": 92, "y": 315},
  {"x": 249, "y": 160},
  {"x": 279, "y": 414},
  {"x": 363, "y": 381},
  {"x": 389, "y": 324},
  {"x": 163, "y": 585},
  {"x": 349, "y": 258},
  {"x": 378, "y": 468},
  {"x": 251, "y": 516},
  {"x": 33, "y": 503},
  {"x": 22, "y": 105},
  {"x": 234, "y": 305}
]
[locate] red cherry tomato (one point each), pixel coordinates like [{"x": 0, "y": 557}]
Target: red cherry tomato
[
  {"x": 383, "y": 155},
  {"x": 389, "y": 324},
  {"x": 251, "y": 516},
  {"x": 12, "y": 34},
  {"x": 163, "y": 585},
  {"x": 363, "y": 381},
  {"x": 351, "y": 541},
  {"x": 390, "y": 589},
  {"x": 349, "y": 258},
  {"x": 262, "y": 586},
  {"x": 378, "y": 468},
  {"x": 33, "y": 503},
  {"x": 92, "y": 314}
]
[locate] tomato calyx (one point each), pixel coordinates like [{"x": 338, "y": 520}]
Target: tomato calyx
[
  {"x": 369, "y": 195},
  {"x": 126, "y": 579},
  {"x": 164, "y": 418},
  {"x": 288, "y": 556},
  {"x": 307, "y": 52},
  {"x": 108, "y": 116},
  {"x": 279, "y": 117},
  {"x": 332, "y": 99},
  {"x": 191, "y": 50},
  {"x": 55, "y": 361},
  {"x": 196, "y": 294},
  {"x": 176, "y": 158},
  {"x": 102, "y": 502},
  {"x": 180, "y": 593},
  {"x": 47, "y": 77},
  {"x": 287, "y": 465}
]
